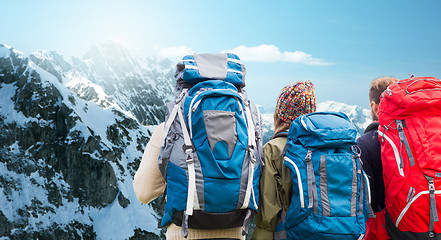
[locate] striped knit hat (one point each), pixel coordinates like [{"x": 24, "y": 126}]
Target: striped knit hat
[{"x": 296, "y": 99}]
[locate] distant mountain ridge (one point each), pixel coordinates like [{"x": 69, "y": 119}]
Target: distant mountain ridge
[
  {"x": 108, "y": 74},
  {"x": 359, "y": 116}
]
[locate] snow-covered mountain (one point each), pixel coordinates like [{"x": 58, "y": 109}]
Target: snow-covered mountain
[
  {"x": 359, "y": 116},
  {"x": 71, "y": 141},
  {"x": 108, "y": 74}
]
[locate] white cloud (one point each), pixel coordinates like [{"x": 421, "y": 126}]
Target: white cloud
[
  {"x": 271, "y": 53},
  {"x": 175, "y": 52},
  {"x": 262, "y": 53}
]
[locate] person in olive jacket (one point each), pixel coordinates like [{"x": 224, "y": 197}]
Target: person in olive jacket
[{"x": 275, "y": 185}]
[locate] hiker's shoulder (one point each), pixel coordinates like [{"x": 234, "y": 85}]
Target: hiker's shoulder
[{"x": 275, "y": 145}]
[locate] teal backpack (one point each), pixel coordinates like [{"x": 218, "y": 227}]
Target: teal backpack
[
  {"x": 330, "y": 189},
  {"x": 211, "y": 147}
]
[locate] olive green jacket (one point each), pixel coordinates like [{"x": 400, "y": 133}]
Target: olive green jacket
[{"x": 274, "y": 189}]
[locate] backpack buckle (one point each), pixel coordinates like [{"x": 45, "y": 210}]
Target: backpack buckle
[
  {"x": 188, "y": 154},
  {"x": 357, "y": 151},
  {"x": 431, "y": 186},
  {"x": 189, "y": 158},
  {"x": 308, "y": 155},
  {"x": 181, "y": 96},
  {"x": 251, "y": 151}
]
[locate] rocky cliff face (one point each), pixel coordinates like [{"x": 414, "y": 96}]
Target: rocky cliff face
[{"x": 71, "y": 141}]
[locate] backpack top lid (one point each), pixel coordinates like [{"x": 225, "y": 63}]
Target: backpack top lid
[
  {"x": 208, "y": 66},
  {"x": 323, "y": 129},
  {"x": 407, "y": 97}
]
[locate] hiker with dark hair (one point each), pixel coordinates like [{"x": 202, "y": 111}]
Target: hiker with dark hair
[
  {"x": 371, "y": 158},
  {"x": 206, "y": 156},
  {"x": 378, "y": 86},
  {"x": 275, "y": 188}
]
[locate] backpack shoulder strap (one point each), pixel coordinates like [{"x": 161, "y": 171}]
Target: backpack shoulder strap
[
  {"x": 173, "y": 115},
  {"x": 372, "y": 126},
  {"x": 280, "y": 134}
]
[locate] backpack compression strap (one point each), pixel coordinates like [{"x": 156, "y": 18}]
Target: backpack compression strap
[
  {"x": 251, "y": 147},
  {"x": 173, "y": 115},
  {"x": 312, "y": 190},
  {"x": 403, "y": 140},
  {"x": 188, "y": 146},
  {"x": 364, "y": 182}
]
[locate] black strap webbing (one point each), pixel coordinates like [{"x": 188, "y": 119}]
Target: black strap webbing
[{"x": 280, "y": 134}]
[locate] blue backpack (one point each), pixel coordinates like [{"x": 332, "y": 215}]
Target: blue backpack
[
  {"x": 330, "y": 189},
  {"x": 211, "y": 149}
]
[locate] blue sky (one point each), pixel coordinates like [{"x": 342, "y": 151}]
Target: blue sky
[{"x": 338, "y": 45}]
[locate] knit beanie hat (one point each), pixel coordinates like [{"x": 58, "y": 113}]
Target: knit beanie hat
[{"x": 296, "y": 99}]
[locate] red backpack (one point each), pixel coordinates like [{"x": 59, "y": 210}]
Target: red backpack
[{"x": 410, "y": 136}]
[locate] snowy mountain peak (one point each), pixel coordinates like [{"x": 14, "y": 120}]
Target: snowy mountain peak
[
  {"x": 361, "y": 117},
  {"x": 110, "y": 76},
  {"x": 107, "y": 51},
  {"x": 52, "y": 62},
  {"x": 6, "y": 50}
]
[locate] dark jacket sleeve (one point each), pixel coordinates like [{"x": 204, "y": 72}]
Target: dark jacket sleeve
[{"x": 372, "y": 165}]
